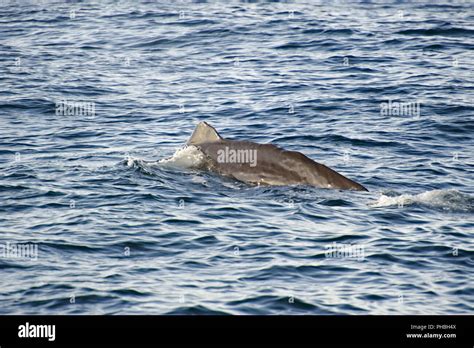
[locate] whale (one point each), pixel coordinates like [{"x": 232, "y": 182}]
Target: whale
[{"x": 263, "y": 164}]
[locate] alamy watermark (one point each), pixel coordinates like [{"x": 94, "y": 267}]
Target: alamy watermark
[
  {"x": 343, "y": 251},
  {"x": 75, "y": 108},
  {"x": 37, "y": 331},
  {"x": 228, "y": 155},
  {"x": 395, "y": 108},
  {"x": 15, "y": 251}
]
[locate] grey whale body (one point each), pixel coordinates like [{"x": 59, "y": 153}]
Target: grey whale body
[{"x": 272, "y": 165}]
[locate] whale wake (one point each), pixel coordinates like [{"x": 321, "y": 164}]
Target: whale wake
[{"x": 451, "y": 200}]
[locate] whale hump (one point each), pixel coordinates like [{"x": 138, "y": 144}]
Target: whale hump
[{"x": 204, "y": 133}]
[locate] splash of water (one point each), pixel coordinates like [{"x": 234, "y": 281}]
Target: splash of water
[
  {"x": 185, "y": 157},
  {"x": 442, "y": 199}
]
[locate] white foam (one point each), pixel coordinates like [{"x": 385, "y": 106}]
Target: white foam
[
  {"x": 131, "y": 161},
  {"x": 143, "y": 165},
  {"x": 445, "y": 199},
  {"x": 185, "y": 157}
]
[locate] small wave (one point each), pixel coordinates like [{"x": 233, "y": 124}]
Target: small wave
[
  {"x": 139, "y": 164},
  {"x": 159, "y": 42},
  {"x": 329, "y": 32},
  {"x": 275, "y": 304},
  {"x": 451, "y": 200},
  {"x": 439, "y": 31},
  {"x": 195, "y": 310}
]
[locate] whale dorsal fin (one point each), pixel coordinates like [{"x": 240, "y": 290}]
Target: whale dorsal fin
[{"x": 204, "y": 133}]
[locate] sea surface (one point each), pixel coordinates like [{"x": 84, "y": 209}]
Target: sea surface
[{"x": 111, "y": 217}]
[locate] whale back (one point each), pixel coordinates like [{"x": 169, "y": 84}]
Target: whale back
[
  {"x": 267, "y": 164},
  {"x": 204, "y": 133},
  {"x": 264, "y": 164}
]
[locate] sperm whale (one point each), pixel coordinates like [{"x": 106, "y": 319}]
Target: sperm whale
[{"x": 263, "y": 164}]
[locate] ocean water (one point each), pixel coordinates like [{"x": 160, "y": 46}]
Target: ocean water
[{"x": 102, "y": 213}]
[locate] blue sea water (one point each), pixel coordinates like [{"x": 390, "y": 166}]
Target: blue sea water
[{"x": 123, "y": 225}]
